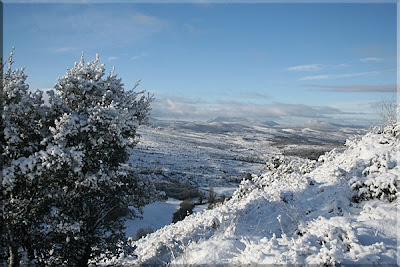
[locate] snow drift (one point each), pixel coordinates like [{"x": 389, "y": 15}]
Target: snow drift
[{"x": 341, "y": 209}]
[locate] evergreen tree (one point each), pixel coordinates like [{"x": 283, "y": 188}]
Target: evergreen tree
[
  {"x": 98, "y": 120},
  {"x": 24, "y": 127},
  {"x": 23, "y": 115},
  {"x": 66, "y": 175}
]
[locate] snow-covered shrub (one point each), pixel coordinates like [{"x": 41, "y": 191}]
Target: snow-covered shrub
[
  {"x": 275, "y": 162},
  {"x": 100, "y": 120},
  {"x": 308, "y": 166},
  {"x": 386, "y": 110},
  {"x": 380, "y": 178},
  {"x": 186, "y": 208},
  {"x": 245, "y": 187},
  {"x": 329, "y": 155},
  {"x": 24, "y": 126},
  {"x": 30, "y": 212},
  {"x": 23, "y": 115},
  {"x": 382, "y": 187},
  {"x": 392, "y": 125},
  {"x": 283, "y": 168},
  {"x": 290, "y": 164},
  {"x": 380, "y": 164},
  {"x": 66, "y": 178}
]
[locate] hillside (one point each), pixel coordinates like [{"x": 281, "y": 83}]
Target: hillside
[
  {"x": 205, "y": 154},
  {"x": 339, "y": 210}
]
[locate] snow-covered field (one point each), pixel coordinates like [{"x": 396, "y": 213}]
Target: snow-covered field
[
  {"x": 342, "y": 209},
  {"x": 220, "y": 154}
]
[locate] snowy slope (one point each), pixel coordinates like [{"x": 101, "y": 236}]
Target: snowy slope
[{"x": 340, "y": 210}]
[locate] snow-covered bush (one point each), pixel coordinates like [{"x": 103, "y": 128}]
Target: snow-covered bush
[
  {"x": 287, "y": 164},
  {"x": 66, "y": 177},
  {"x": 23, "y": 115},
  {"x": 377, "y": 181},
  {"x": 186, "y": 208},
  {"x": 246, "y": 186},
  {"x": 275, "y": 162},
  {"x": 329, "y": 155},
  {"x": 386, "y": 110},
  {"x": 24, "y": 126},
  {"x": 380, "y": 178},
  {"x": 100, "y": 120},
  {"x": 283, "y": 167}
]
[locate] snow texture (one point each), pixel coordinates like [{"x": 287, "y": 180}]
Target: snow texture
[{"x": 342, "y": 209}]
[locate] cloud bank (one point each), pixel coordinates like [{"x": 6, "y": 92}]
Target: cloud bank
[
  {"x": 337, "y": 76},
  {"x": 389, "y": 88},
  {"x": 197, "y": 109}
]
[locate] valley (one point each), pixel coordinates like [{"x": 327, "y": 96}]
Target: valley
[{"x": 186, "y": 159}]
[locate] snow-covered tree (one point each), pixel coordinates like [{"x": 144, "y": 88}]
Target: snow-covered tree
[
  {"x": 66, "y": 175},
  {"x": 24, "y": 126},
  {"x": 23, "y": 115},
  {"x": 98, "y": 119},
  {"x": 386, "y": 110}
]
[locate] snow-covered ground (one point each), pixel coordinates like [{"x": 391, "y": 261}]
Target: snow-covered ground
[
  {"x": 218, "y": 154},
  {"x": 342, "y": 209}
]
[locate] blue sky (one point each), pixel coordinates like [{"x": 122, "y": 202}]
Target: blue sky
[{"x": 284, "y": 62}]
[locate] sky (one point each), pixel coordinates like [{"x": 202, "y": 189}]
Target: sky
[{"x": 290, "y": 63}]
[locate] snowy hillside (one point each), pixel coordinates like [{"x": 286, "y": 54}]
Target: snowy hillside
[
  {"x": 339, "y": 210},
  {"x": 223, "y": 153}
]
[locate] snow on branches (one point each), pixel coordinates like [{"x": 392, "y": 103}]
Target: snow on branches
[{"x": 66, "y": 165}]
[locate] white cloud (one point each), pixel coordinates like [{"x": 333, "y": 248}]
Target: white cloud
[
  {"x": 139, "y": 56},
  {"x": 198, "y": 109},
  {"x": 336, "y": 76},
  {"x": 316, "y": 67},
  {"x": 317, "y": 77},
  {"x": 310, "y": 67},
  {"x": 256, "y": 95},
  {"x": 112, "y": 58},
  {"x": 356, "y": 88},
  {"x": 371, "y": 59},
  {"x": 144, "y": 19}
]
